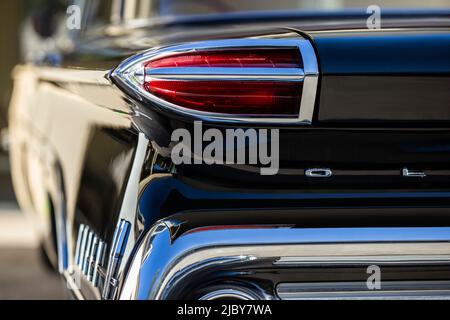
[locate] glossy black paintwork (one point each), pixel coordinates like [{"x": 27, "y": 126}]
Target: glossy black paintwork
[
  {"x": 203, "y": 204},
  {"x": 410, "y": 68},
  {"x": 404, "y": 52},
  {"x": 370, "y": 157},
  {"x": 107, "y": 165},
  {"x": 407, "y": 100}
]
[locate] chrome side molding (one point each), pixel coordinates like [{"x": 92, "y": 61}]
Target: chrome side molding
[
  {"x": 78, "y": 248},
  {"x": 119, "y": 243},
  {"x": 89, "y": 254},
  {"x": 391, "y": 260},
  {"x": 84, "y": 263},
  {"x": 99, "y": 260}
]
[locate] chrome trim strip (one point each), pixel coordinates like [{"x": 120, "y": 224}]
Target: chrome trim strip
[
  {"x": 280, "y": 74},
  {"x": 89, "y": 255},
  {"x": 130, "y": 74},
  {"x": 309, "y": 92},
  {"x": 98, "y": 263},
  {"x": 127, "y": 213},
  {"x": 168, "y": 261},
  {"x": 115, "y": 258},
  {"x": 310, "y": 66},
  {"x": 91, "y": 258},
  {"x": 83, "y": 247},
  {"x": 359, "y": 290},
  {"x": 78, "y": 245},
  {"x": 122, "y": 238},
  {"x": 363, "y": 260},
  {"x": 414, "y": 174},
  {"x": 85, "y": 262},
  {"x": 310, "y": 83}
]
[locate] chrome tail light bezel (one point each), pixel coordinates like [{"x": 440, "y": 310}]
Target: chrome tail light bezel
[{"x": 130, "y": 75}]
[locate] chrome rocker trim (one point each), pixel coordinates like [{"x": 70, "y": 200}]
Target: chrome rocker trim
[
  {"x": 392, "y": 290},
  {"x": 130, "y": 75},
  {"x": 163, "y": 261}
]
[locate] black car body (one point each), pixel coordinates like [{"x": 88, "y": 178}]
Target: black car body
[{"x": 364, "y": 165}]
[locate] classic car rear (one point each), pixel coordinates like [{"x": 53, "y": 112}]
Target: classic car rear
[{"x": 355, "y": 123}]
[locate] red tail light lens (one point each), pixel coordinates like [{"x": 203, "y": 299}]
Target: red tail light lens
[
  {"x": 223, "y": 94},
  {"x": 254, "y": 98},
  {"x": 262, "y": 58},
  {"x": 249, "y": 80}
]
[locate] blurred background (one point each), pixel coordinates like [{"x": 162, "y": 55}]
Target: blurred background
[
  {"x": 27, "y": 26},
  {"x": 23, "y": 271}
]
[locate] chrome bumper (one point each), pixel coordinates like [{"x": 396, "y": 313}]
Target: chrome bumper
[{"x": 166, "y": 262}]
